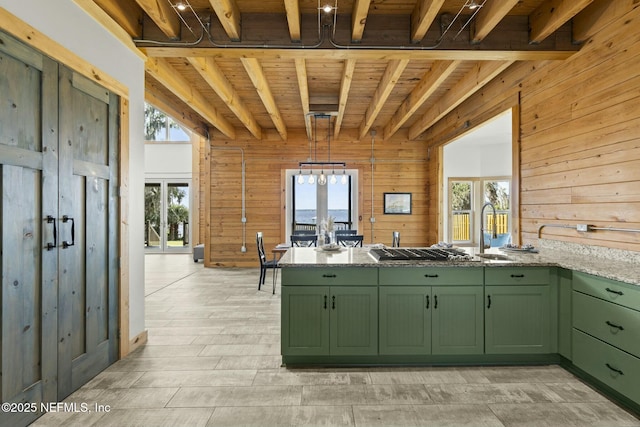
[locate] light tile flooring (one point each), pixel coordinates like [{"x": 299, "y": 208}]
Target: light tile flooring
[{"x": 213, "y": 360}]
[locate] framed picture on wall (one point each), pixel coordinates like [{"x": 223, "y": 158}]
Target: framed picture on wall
[{"x": 397, "y": 203}]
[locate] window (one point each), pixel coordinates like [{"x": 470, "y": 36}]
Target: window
[{"x": 160, "y": 127}]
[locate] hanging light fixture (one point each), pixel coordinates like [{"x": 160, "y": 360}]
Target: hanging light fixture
[
  {"x": 322, "y": 179},
  {"x": 343, "y": 180}
]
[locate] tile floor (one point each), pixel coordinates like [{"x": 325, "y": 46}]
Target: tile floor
[{"x": 213, "y": 360}]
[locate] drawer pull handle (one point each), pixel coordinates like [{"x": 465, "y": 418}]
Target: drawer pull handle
[
  {"x": 433, "y": 276},
  {"x": 617, "y": 371},
  {"x": 517, "y": 276},
  {"x": 613, "y": 291},
  {"x": 427, "y": 306},
  {"x": 325, "y": 302},
  {"x": 330, "y": 276},
  {"x": 488, "y": 301},
  {"x": 613, "y": 325},
  {"x": 333, "y": 302}
]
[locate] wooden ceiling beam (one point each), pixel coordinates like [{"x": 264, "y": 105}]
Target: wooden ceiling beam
[
  {"x": 162, "y": 13},
  {"x": 358, "y": 19},
  {"x": 481, "y": 74},
  {"x": 551, "y": 15},
  {"x": 597, "y": 15},
  {"x": 215, "y": 78},
  {"x": 169, "y": 77},
  {"x": 424, "y": 14},
  {"x": 185, "y": 116},
  {"x": 303, "y": 87},
  {"x": 126, "y": 13},
  {"x": 388, "y": 81},
  {"x": 429, "y": 83},
  {"x": 345, "y": 86},
  {"x": 292, "y": 8},
  {"x": 259, "y": 80},
  {"x": 229, "y": 15},
  {"x": 489, "y": 16}
]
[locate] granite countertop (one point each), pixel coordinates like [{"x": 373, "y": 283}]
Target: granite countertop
[{"x": 612, "y": 264}]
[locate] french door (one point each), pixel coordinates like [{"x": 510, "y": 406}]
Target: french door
[
  {"x": 167, "y": 215},
  {"x": 58, "y": 229}
]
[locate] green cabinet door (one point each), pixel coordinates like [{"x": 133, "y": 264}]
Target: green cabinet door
[
  {"x": 517, "y": 319},
  {"x": 458, "y": 320},
  {"x": 405, "y": 319},
  {"x": 353, "y": 320},
  {"x": 305, "y": 320}
]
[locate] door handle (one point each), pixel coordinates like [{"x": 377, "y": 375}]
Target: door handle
[
  {"x": 427, "y": 306},
  {"x": 333, "y": 302},
  {"x": 65, "y": 243},
  {"x": 435, "y": 302},
  {"x": 52, "y": 220},
  {"x": 488, "y": 301},
  {"x": 325, "y": 302}
]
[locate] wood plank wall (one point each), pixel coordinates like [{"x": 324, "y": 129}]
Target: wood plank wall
[
  {"x": 399, "y": 166},
  {"x": 579, "y": 136}
]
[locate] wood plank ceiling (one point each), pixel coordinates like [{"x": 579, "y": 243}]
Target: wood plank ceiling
[{"x": 262, "y": 67}]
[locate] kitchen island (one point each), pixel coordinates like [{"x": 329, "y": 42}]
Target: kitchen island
[{"x": 345, "y": 308}]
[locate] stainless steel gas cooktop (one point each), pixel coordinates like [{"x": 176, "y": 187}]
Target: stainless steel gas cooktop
[{"x": 417, "y": 254}]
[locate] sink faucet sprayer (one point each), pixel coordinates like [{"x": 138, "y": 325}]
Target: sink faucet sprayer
[{"x": 495, "y": 228}]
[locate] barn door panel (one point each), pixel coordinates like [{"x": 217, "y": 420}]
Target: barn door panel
[
  {"x": 28, "y": 210},
  {"x": 88, "y": 208}
]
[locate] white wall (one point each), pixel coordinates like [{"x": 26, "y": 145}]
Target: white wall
[
  {"x": 67, "y": 24},
  {"x": 168, "y": 160}
]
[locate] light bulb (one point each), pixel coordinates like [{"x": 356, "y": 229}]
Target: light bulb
[
  {"x": 327, "y": 8},
  {"x": 343, "y": 180},
  {"x": 181, "y": 6},
  {"x": 300, "y": 178},
  {"x": 333, "y": 179},
  {"x": 312, "y": 180},
  {"x": 322, "y": 179}
]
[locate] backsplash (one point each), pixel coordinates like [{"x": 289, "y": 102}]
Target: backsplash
[{"x": 590, "y": 251}]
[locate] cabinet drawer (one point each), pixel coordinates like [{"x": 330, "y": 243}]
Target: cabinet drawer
[
  {"x": 610, "y": 290},
  {"x": 516, "y": 276},
  {"x": 614, "y": 367},
  {"x": 430, "y": 276},
  {"x": 619, "y": 326},
  {"x": 356, "y": 276}
]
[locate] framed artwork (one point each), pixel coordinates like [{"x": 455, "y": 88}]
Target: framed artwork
[{"x": 397, "y": 203}]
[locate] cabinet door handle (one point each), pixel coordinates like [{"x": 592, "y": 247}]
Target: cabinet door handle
[
  {"x": 333, "y": 302},
  {"x": 617, "y": 371},
  {"x": 427, "y": 306},
  {"x": 52, "y": 220},
  {"x": 325, "y": 302},
  {"x": 488, "y": 301},
  {"x": 613, "y": 291},
  {"x": 65, "y": 243},
  {"x": 435, "y": 302},
  {"x": 330, "y": 276},
  {"x": 613, "y": 325},
  {"x": 431, "y": 276},
  {"x": 517, "y": 276}
]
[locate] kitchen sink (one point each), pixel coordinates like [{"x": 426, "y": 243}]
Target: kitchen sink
[{"x": 494, "y": 257}]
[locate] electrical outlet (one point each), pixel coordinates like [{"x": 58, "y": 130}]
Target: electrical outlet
[{"x": 582, "y": 227}]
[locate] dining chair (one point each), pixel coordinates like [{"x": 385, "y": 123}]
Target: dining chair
[
  {"x": 303, "y": 232},
  {"x": 349, "y": 232},
  {"x": 265, "y": 263},
  {"x": 350, "y": 240},
  {"x": 304, "y": 240},
  {"x": 395, "y": 242}
]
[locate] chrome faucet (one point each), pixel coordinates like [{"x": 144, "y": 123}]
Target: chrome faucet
[{"x": 495, "y": 232}]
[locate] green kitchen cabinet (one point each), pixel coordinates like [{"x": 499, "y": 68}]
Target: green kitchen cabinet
[
  {"x": 517, "y": 319},
  {"x": 457, "y": 320},
  {"x": 324, "y": 320},
  {"x": 405, "y": 320}
]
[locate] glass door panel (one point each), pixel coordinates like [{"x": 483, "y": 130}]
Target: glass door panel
[
  {"x": 177, "y": 216},
  {"x": 152, "y": 216},
  {"x": 167, "y": 213}
]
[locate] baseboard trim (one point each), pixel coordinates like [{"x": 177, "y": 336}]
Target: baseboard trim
[{"x": 138, "y": 341}]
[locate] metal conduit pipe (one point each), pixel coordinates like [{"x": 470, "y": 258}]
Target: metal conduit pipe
[
  {"x": 629, "y": 230},
  {"x": 372, "y": 219},
  {"x": 554, "y": 225},
  {"x": 243, "y": 218}
]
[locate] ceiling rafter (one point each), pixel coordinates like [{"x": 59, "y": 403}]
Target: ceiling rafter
[
  {"x": 551, "y": 15},
  {"x": 424, "y": 14},
  {"x": 169, "y": 77},
  {"x": 388, "y": 81},
  {"x": 126, "y": 13},
  {"x": 345, "y": 86},
  {"x": 229, "y": 16},
  {"x": 162, "y": 13},
  {"x": 481, "y": 74},
  {"x": 259, "y": 80},
  {"x": 186, "y": 117},
  {"x": 429, "y": 83},
  {"x": 292, "y": 8},
  {"x": 489, "y": 16},
  {"x": 303, "y": 86},
  {"x": 211, "y": 73},
  {"x": 359, "y": 19}
]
